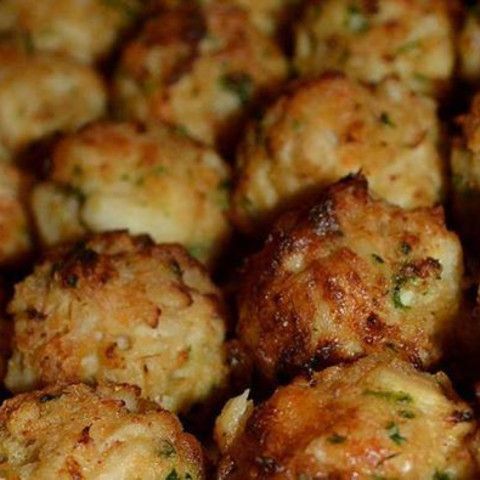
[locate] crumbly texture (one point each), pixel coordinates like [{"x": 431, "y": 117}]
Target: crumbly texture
[
  {"x": 166, "y": 185},
  {"x": 373, "y": 40},
  {"x": 199, "y": 68},
  {"x": 83, "y": 433},
  {"x": 15, "y": 238},
  {"x": 323, "y": 129},
  {"x": 120, "y": 309},
  {"x": 468, "y": 45},
  {"x": 268, "y": 16},
  {"x": 350, "y": 276},
  {"x": 376, "y": 419},
  {"x": 85, "y": 30},
  {"x": 465, "y": 178},
  {"x": 41, "y": 94}
]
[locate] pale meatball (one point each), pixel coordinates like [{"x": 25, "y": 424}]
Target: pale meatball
[
  {"x": 410, "y": 39},
  {"x": 326, "y": 128},
  {"x": 469, "y": 45},
  {"x": 121, "y": 309},
  {"x": 15, "y": 237},
  {"x": 376, "y": 419},
  {"x": 199, "y": 68},
  {"x": 350, "y": 276},
  {"x": 113, "y": 176},
  {"x": 465, "y": 167},
  {"x": 41, "y": 95},
  {"x": 84, "y": 433},
  {"x": 82, "y": 29}
]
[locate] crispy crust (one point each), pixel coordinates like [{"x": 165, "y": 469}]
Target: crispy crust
[
  {"x": 377, "y": 418},
  {"x": 347, "y": 277},
  {"x": 78, "y": 432},
  {"x": 199, "y": 68},
  {"x": 121, "y": 309}
]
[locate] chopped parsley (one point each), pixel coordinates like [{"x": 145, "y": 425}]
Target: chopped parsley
[
  {"x": 356, "y": 20},
  {"x": 386, "y": 120},
  {"x": 398, "y": 397},
  {"x": 173, "y": 475},
  {"x": 335, "y": 439},
  {"x": 394, "y": 434},
  {"x": 377, "y": 258},
  {"x": 438, "y": 475},
  {"x": 406, "y": 414},
  {"x": 167, "y": 449},
  {"x": 240, "y": 84}
]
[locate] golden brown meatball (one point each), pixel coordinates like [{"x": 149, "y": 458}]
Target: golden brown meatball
[
  {"x": 268, "y": 16},
  {"x": 42, "y": 94},
  {"x": 469, "y": 45},
  {"x": 326, "y": 128},
  {"x": 83, "y": 433},
  {"x": 121, "y": 309},
  {"x": 349, "y": 276},
  {"x": 373, "y": 40},
  {"x": 112, "y": 176},
  {"x": 199, "y": 68},
  {"x": 15, "y": 239},
  {"x": 82, "y": 29},
  {"x": 465, "y": 167},
  {"x": 376, "y": 419}
]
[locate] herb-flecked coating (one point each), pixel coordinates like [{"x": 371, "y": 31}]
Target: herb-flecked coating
[
  {"x": 120, "y": 309},
  {"x": 350, "y": 276},
  {"x": 78, "y": 432},
  {"x": 378, "y": 418},
  {"x": 199, "y": 68}
]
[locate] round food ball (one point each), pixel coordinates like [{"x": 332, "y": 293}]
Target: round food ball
[
  {"x": 350, "y": 276},
  {"x": 85, "y": 30},
  {"x": 41, "y": 95},
  {"x": 157, "y": 181},
  {"x": 268, "y": 16},
  {"x": 469, "y": 45},
  {"x": 199, "y": 68},
  {"x": 15, "y": 238},
  {"x": 120, "y": 309},
  {"x": 377, "y": 418},
  {"x": 370, "y": 41},
  {"x": 84, "y": 433},
  {"x": 326, "y": 128},
  {"x": 465, "y": 167}
]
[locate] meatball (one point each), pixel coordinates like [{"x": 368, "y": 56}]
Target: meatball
[
  {"x": 469, "y": 45},
  {"x": 42, "y": 94},
  {"x": 350, "y": 276},
  {"x": 326, "y": 128},
  {"x": 465, "y": 167},
  {"x": 82, "y": 29},
  {"x": 268, "y": 16},
  {"x": 15, "y": 239},
  {"x": 199, "y": 68},
  {"x": 120, "y": 309},
  {"x": 375, "y": 419},
  {"x": 85, "y": 433},
  {"x": 373, "y": 40},
  {"x": 112, "y": 176}
]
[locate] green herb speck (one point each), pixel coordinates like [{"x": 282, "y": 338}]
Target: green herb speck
[
  {"x": 240, "y": 84},
  {"x": 394, "y": 434},
  {"x": 336, "y": 439}
]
